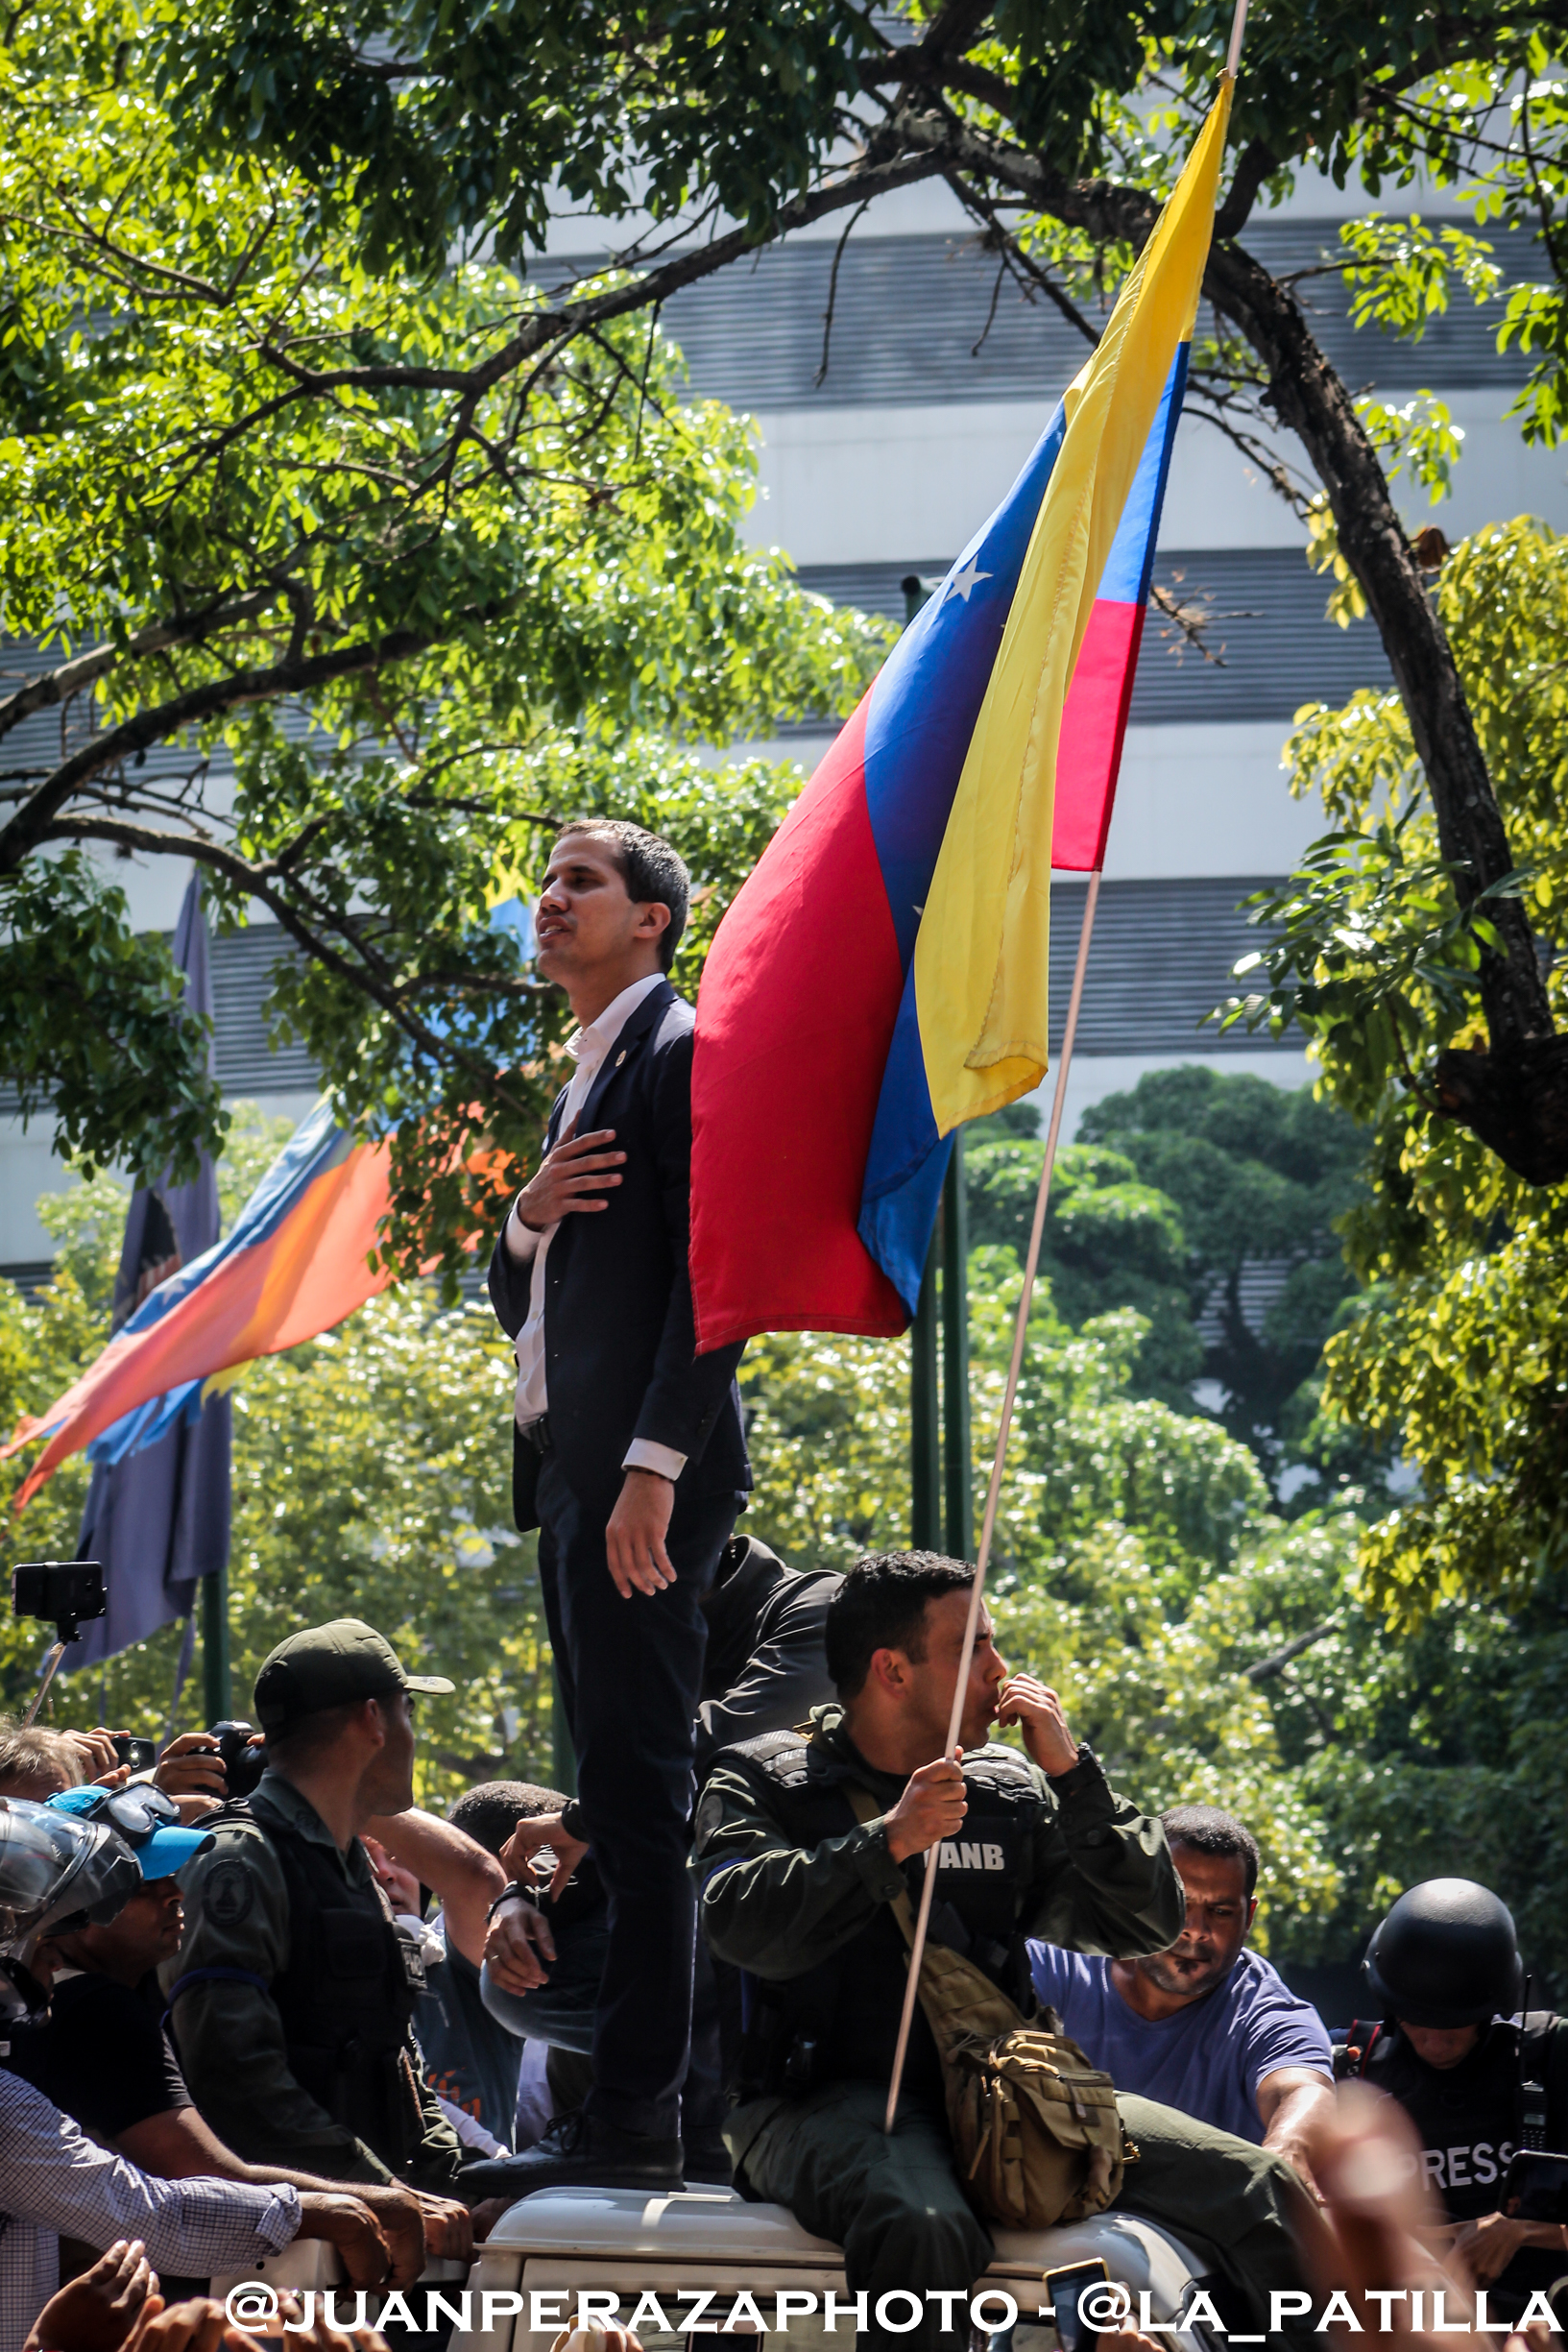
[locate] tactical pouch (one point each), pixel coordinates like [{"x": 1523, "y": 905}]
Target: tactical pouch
[{"x": 1035, "y": 2127}]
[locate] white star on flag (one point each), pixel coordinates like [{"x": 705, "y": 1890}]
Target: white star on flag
[{"x": 963, "y": 583}]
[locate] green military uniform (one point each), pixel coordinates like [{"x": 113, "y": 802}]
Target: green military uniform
[
  {"x": 365, "y": 2115},
  {"x": 795, "y": 1890}
]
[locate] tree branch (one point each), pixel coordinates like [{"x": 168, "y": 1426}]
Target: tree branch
[
  {"x": 1253, "y": 167},
  {"x": 877, "y": 176},
  {"x": 29, "y": 826},
  {"x": 58, "y": 686},
  {"x": 255, "y": 881}
]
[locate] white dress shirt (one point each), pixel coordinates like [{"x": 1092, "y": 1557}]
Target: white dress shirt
[
  {"x": 587, "y": 1047},
  {"x": 54, "y": 2181}
]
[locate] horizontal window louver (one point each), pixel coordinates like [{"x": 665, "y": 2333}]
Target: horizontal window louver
[
  {"x": 1264, "y": 622},
  {"x": 923, "y": 319},
  {"x": 1160, "y": 960}
]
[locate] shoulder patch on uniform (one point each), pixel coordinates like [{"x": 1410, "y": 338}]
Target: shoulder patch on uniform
[
  {"x": 782, "y": 1755},
  {"x": 997, "y": 1767},
  {"x": 227, "y": 1892}
]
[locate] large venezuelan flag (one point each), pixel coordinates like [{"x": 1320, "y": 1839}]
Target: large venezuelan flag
[
  {"x": 882, "y": 976},
  {"x": 294, "y": 1266}
]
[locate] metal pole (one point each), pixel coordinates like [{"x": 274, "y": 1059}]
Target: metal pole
[
  {"x": 955, "y": 1480},
  {"x": 215, "y": 1676},
  {"x": 1021, "y": 1330},
  {"x": 925, "y": 1416}
]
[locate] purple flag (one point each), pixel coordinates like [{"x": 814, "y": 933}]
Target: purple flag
[{"x": 158, "y": 1519}]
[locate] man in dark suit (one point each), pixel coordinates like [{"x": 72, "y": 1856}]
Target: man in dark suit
[{"x": 630, "y": 1461}]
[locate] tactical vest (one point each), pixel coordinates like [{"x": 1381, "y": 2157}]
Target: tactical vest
[
  {"x": 841, "y": 2018},
  {"x": 346, "y": 1994},
  {"x": 1471, "y": 2118}
]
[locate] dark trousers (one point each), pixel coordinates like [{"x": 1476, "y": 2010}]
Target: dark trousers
[
  {"x": 896, "y": 2207},
  {"x": 631, "y": 1677},
  {"x": 561, "y": 2011}
]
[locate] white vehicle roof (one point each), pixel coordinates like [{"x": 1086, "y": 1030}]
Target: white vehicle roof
[{"x": 696, "y": 2225}]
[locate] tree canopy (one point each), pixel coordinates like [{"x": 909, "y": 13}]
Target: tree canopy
[
  {"x": 1209, "y": 1201},
  {"x": 425, "y": 130},
  {"x": 286, "y": 425},
  {"x": 337, "y": 595},
  {"x": 1454, "y": 1354}
]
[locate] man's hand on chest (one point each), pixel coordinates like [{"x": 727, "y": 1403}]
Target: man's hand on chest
[{"x": 571, "y": 1180}]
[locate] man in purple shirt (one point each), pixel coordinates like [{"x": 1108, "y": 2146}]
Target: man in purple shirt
[{"x": 1206, "y": 2027}]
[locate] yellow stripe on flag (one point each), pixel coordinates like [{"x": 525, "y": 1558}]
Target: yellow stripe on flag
[{"x": 983, "y": 950}]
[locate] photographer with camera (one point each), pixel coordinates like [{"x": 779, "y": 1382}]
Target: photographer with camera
[
  {"x": 293, "y": 1991},
  {"x": 59, "y": 1872}
]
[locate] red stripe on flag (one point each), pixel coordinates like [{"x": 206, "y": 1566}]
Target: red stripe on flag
[
  {"x": 796, "y": 1010},
  {"x": 1094, "y": 724}
]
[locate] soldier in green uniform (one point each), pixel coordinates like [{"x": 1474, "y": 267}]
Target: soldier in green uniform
[
  {"x": 795, "y": 1890},
  {"x": 293, "y": 1989}
]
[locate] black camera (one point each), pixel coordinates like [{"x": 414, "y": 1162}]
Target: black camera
[
  {"x": 243, "y": 1764},
  {"x": 65, "y": 1591},
  {"x": 1536, "y": 2187},
  {"x": 141, "y": 1755}
]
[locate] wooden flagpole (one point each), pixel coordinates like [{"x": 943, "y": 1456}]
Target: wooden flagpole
[
  {"x": 1238, "y": 30},
  {"x": 1042, "y": 1201},
  {"x": 993, "y": 1492}
]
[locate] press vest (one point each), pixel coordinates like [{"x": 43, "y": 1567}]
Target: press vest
[
  {"x": 839, "y": 2020},
  {"x": 1470, "y": 2118}
]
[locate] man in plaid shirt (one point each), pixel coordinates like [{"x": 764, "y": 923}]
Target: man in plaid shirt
[{"x": 58, "y": 1871}]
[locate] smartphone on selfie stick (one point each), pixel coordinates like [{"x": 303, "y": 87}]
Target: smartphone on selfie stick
[{"x": 65, "y": 1591}]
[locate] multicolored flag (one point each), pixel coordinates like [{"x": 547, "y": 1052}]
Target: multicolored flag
[
  {"x": 882, "y": 976},
  {"x": 157, "y": 1517},
  {"x": 296, "y": 1264}
]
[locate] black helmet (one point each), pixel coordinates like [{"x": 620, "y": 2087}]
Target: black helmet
[
  {"x": 1446, "y": 1955},
  {"x": 57, "y": 1874}
]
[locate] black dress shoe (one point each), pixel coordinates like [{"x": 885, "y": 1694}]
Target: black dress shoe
[
  {"x": 708, "y": 2164},
  {"x": 577, "y": 2151}
]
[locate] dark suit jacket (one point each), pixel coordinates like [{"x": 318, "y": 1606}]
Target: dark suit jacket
[
  {"x": 765, "y": 1667},
  {"x": 618, "y": 1334}
]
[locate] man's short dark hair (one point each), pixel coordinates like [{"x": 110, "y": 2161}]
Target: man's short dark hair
[
  {"x": 881, "y": 1605},
  {"x": 1208, "y": 1830},
  {"x": 491, "y": 1812},
  {"x": 655, "y": 875}
]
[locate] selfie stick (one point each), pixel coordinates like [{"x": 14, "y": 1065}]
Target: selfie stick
[
  {"x": 50, "y": 1664},
  {"x": 977, "y": 1590}
]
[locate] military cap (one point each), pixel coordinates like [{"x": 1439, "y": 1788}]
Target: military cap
[{"x": 333, "y": 1665}]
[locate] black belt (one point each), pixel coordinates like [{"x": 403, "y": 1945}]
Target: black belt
[{"x": 537, "y": 1434}]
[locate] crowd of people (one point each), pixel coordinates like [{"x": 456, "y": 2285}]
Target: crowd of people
[{"x": 312, "y": 2008}]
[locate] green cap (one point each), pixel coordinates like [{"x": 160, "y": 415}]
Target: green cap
[{"x": 333, "y": 1665}]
